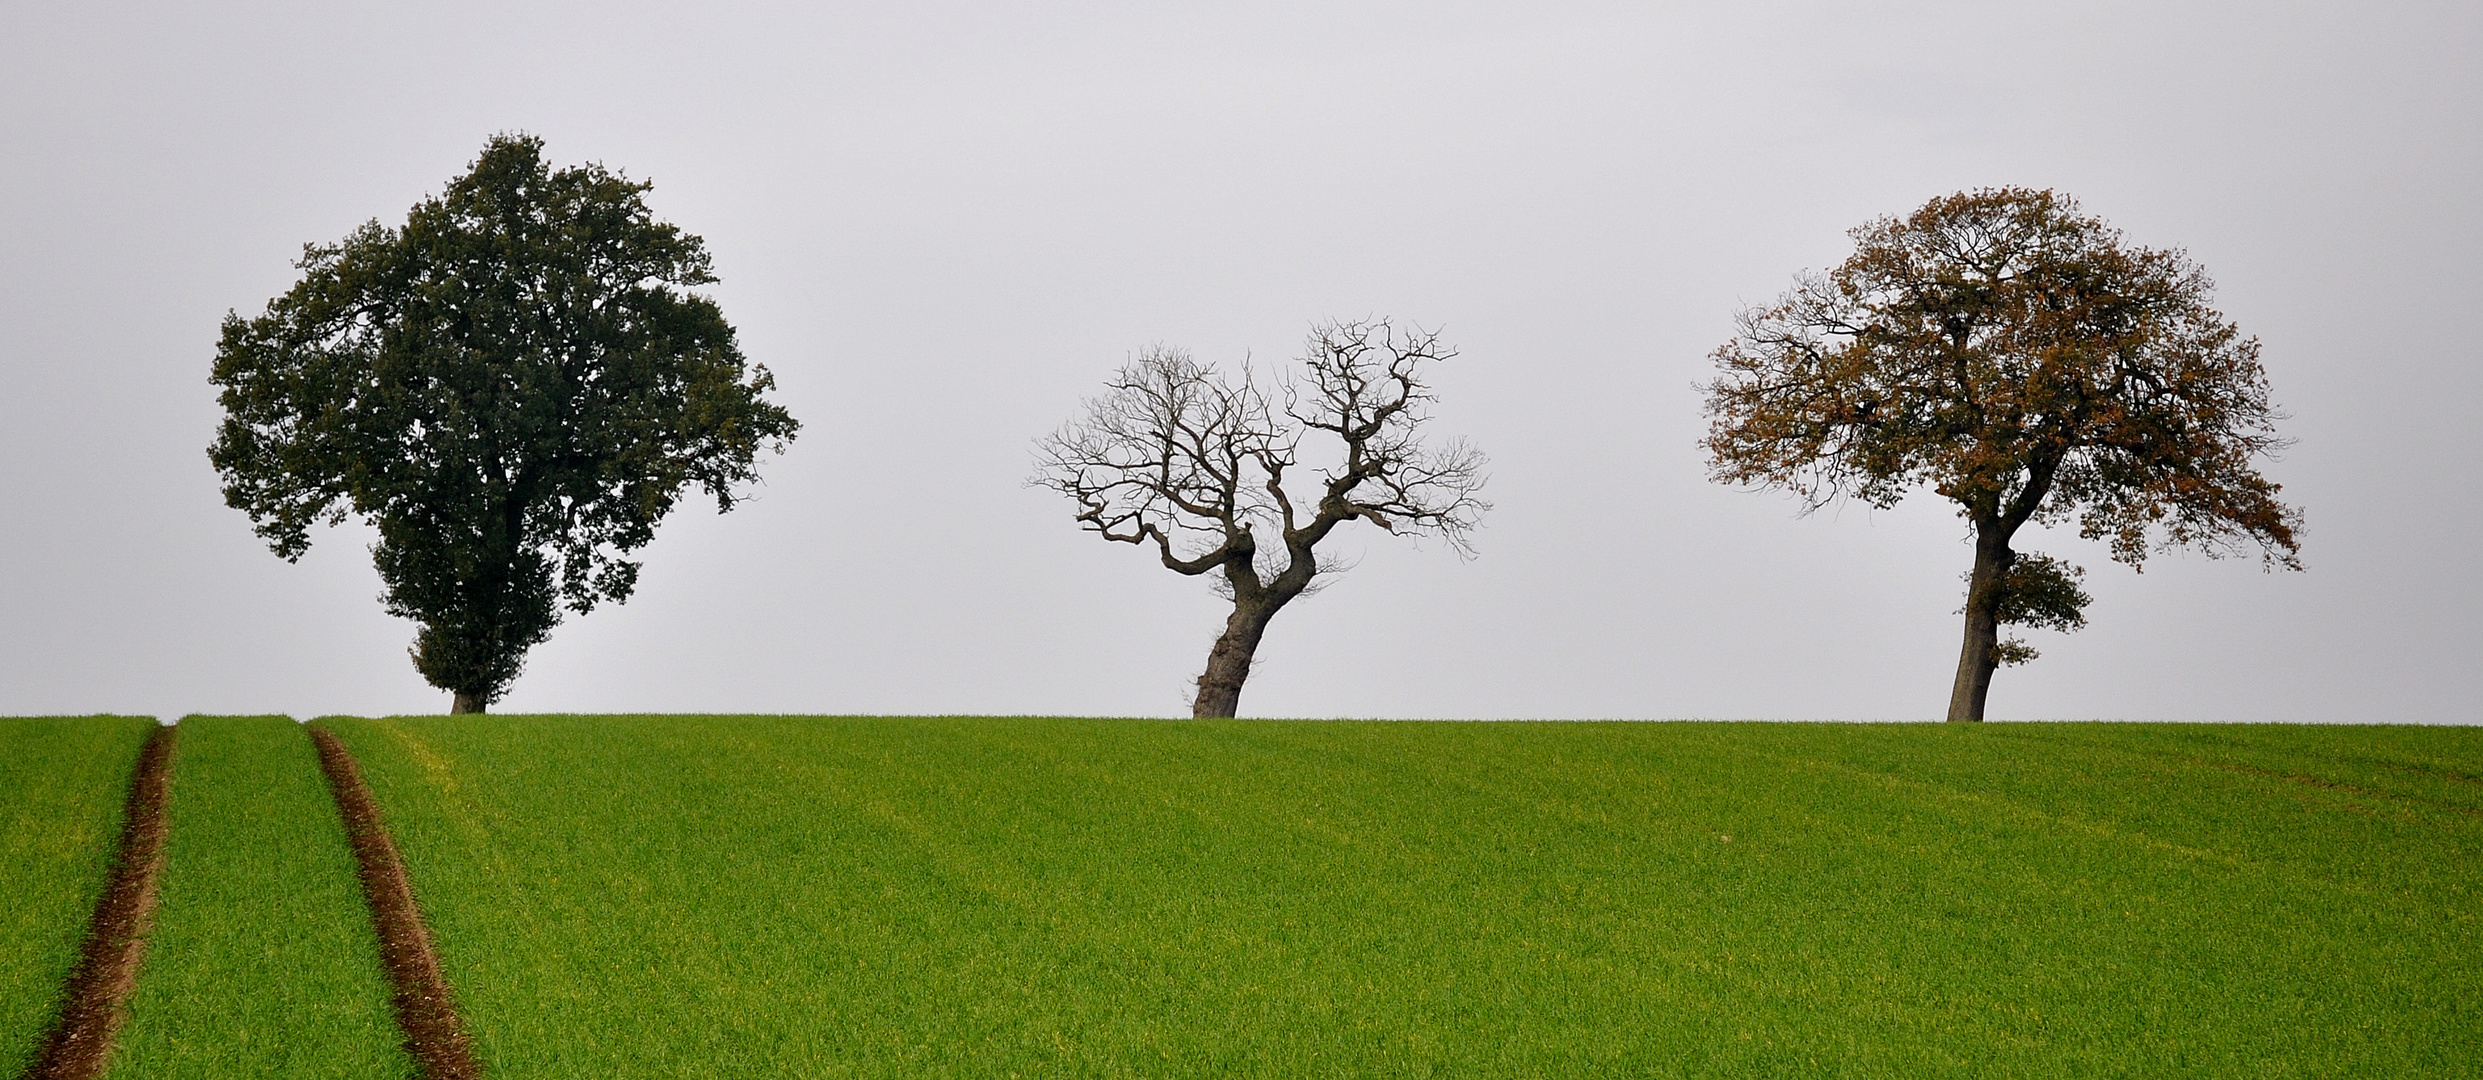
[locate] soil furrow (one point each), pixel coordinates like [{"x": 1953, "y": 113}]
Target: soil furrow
[
  {"x": 79, "y": 1044},
  {"x": 425, "y": 1010}
]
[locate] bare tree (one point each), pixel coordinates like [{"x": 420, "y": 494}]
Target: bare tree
[{"x": 1177, "y": 457}]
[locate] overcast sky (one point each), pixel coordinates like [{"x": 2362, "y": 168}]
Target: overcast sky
[{"x": 940, "y": 225}]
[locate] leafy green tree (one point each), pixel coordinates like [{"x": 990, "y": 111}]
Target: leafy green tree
[
  {"x": 2016, "y": 357},
  {"x": 513, "y": 388}
]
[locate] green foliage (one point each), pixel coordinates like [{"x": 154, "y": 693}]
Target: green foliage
[
  {"x": 63, "y": 782},
  {"x": 2040, "y": 591},
  {"x": 688, "y": 896},
  {"x": 262, "y": 961},
  {"x": 514, "y": 388}
]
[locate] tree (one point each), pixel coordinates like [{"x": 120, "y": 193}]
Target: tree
[
  {"x": 1176, "y": 457},
  {"x": 2017, "y": 358},
  {"x": 513, "y": 389}
]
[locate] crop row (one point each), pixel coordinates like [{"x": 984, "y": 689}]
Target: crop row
[{"x": 260, "y": 958}]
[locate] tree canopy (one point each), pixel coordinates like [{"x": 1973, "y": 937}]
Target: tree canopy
[
  {"x": 2018, "y": 358},
  {"x": 513, "y": 388}
]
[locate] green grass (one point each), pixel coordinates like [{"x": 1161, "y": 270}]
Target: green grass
[
  {"x": 262, "y": 961},
  {"x": 63, "y": 781},
  {"x": 994, "y": 897}
]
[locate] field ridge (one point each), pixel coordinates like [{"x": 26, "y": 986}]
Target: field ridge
[
  {"x": 425, "y": 1007},
  {"x": 79, "y": 1045}
]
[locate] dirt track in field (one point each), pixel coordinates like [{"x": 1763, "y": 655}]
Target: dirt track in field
[
  {"x": 79, "y": 1044},
  {"x": 425, "y": 1010}
]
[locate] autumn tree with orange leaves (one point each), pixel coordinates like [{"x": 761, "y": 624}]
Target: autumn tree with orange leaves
[{"x": 2017, "y": 357}]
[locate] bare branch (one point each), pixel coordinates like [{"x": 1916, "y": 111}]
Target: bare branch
[
  {"x": 1176, "y": 456},
  {"x": 1362, "y": 383},
  {"x": 1168, "y": 456}
]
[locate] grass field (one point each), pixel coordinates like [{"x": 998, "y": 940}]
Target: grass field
[
  {"x": 62, "y": 783},
  {"x": 964, "y": 897},
  {"x": 262, "y": 961}
]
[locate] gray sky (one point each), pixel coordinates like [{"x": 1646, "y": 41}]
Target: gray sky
[{"x": 942, "y": 224}]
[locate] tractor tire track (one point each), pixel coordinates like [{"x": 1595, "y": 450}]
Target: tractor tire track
[
  {"x": 79, "y": 1044},
  {"x": 426, "y": 1012}
]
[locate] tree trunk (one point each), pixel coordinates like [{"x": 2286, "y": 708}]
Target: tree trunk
[
  {"x": 1981, "y": 654},
  {"x": 1228, "y": 663},
  {"x": 466, "y": 703}
]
